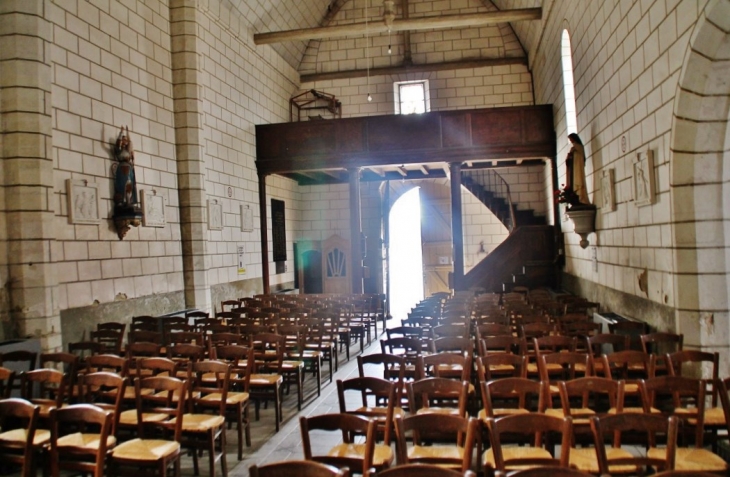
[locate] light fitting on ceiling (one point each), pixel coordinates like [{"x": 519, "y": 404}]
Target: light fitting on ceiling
[
  {"x": 367, "y": 50},
  {"x": 388, "y": 17}
]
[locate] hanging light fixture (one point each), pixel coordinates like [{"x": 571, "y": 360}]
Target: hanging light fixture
[
  {"x": 388, "y": 17},
  {"x": 367, "y": 51}
]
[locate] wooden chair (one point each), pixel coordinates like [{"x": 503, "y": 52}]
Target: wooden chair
[
  {"x": 555, "y": 367},
  {"x": 68, "y": 364},
  {"x": 359, "y": 457},
  {"x": 241, "y": 360},
  {"x": 535, "y": 425},
  {"x": 631, "y": 330},
  {"x": 84, "y": 349},
  {"x": 112, "y": 325},
  {"x": 110, "y": 339},
  {"x": 438, "y": 395},
  {"x": 321, "y": 342},
  {"x": 298, "y": 360},
  {"x": 158, "y": 444},
  {"x": 631, "y": 366},
  {"x": 297, "y": 468},
  {"x": 615, "y": 460},
  {"x": 208, "y": 384},
  {"x": 105, "y": 390},
  {"x": 407, "y": 347},
  {"x": 547, "y": 471},
  {"x": 389, "y": 367},
  {"x": 452, "y": 330},
  {"x": 266, "y": 379},
  {"x": 19, "y": 361},
  {"x": 230, "y": 304},
  {"x": 452, "y": 437},
  {"x": 145, "y": 323},
  {"x": 404, "y": 332},
  {"x": 501, "y": 365},
  {"x": 604, "y": 343},
  {"x": 502, "y": 344},
  {"x": 687, "y": 404},
  {"x": 549, "y": 344},
  {"x": 422, "y": 470},
  {"x": 581, "y": 399},
  {"x": 144, "y": 336},
  {"x": 44, "y": 387},
  {"x": 19, "y": 436},
  {"x": 454, "y": 344},
  {"x": 7, "y": 377},
  {"x": 80, "y": 438},
  {"x": 660, "y": 344},
  {"x": 382, "y": 406}
]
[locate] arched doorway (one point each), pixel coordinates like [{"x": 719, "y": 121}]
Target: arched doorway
[
  {"x": 700, "y": 185},
  {"x": 406, "y": 260}
]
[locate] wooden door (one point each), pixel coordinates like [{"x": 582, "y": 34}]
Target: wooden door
[
  {"x": 336, "y": 265},
  {"x": 310, "y": 266}
]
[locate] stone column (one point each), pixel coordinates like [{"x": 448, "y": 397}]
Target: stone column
[
  {"x": 457, "y": 231},
  {"x": 355, "y": 230},
  {"x": 188, "y": 107},
  {"x": 30, "y": 282}
]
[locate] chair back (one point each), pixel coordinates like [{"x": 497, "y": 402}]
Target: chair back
[
  {"x": 80, "y": 437},
  {"x": 21, "y": 415},
  {"x": 297, "y": 468},
  {"x": 349, "y": 425}
]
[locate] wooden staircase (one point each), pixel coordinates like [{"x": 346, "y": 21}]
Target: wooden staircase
[
  {"x": 493, "y": 191},
  {"x": 526, "y": 258}
]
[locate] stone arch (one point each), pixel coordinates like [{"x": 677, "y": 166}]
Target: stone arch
[{"x": 700, "y": 185}]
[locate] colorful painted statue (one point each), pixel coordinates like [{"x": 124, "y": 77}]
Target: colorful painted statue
[{"x": 125, "y": 183}]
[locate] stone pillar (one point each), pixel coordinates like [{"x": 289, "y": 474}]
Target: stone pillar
[
  {"x": 188, "y": 107},
  {"x": 457, "y": 231},
  {"x": 30, "y": 281},
  {"x": 355, "y": 230}
]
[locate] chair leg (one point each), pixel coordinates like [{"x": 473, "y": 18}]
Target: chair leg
[
  {"x": 247, "y": 422},
  {"x": 300, "y": 383},
  {"x": 277, "y": 406}
]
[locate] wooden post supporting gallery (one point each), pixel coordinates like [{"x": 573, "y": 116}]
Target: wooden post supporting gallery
[
  {"x": 457, "y": 232},
  {"x": 355, "y": 230},
  {"x": 264, "y": 234}
]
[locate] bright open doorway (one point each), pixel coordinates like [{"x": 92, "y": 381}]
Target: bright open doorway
[{"x": 406, "y": 259}]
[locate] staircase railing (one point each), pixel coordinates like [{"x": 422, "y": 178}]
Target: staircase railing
[{"x": 494, "y": 183}]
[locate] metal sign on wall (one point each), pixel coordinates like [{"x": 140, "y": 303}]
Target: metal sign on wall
[{"x": 278, "y": 230}]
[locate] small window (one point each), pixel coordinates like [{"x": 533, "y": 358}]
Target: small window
[
  {"x": 568, "y": 85},
  {"x": 411, "y": 97}
]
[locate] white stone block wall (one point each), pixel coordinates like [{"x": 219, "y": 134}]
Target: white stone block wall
[
  {"x": 111, "y": 67},
  {"x": 625, "y": 86},
  {"x": 243, "y": 85},
  {"x": 472, "y": 88},
  {"x": 479, "y": 226}
]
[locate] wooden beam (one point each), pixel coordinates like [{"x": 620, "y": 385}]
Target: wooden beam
[
  {"x": 402, "y": 171},
  {"x": 423, "y": 169},
  {"x": 411, "y": 24},
  {"x": 421, "y": 68}
]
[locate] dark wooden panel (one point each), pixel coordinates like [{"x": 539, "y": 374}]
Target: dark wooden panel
[
  {"x": 313, "y": 137},
  {"x": 497, "y": 126},
  {"x": 535, "y": 126},
  {"x": 445, "y": 136},
  {"x": 526, "y": 244},
  {"x": 409, "y": 132},
  {"x": 456, "y": 130},
  {"x": 351, "y": 136},
  {"x": 268, "y": 140}
]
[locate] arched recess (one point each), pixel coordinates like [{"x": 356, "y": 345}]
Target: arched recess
[{"x": 700, "y": 185}]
